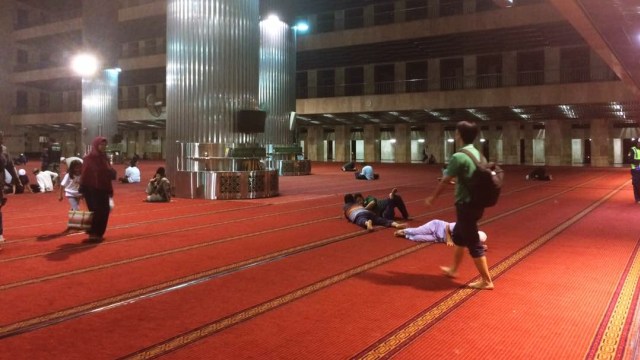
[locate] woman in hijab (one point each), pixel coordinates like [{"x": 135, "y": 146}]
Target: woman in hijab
[{"x": 95, "y": 186}]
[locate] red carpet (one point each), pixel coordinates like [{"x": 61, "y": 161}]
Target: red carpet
[{"x": 289, "y": 278}]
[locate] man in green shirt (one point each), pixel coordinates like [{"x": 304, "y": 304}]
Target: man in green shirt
[{"x": 465, "y": 233}]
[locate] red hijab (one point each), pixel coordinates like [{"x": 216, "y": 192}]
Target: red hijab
[{"x": 97, "y": 173}]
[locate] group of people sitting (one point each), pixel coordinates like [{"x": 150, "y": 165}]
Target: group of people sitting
[{"x": 158, "y": 189}]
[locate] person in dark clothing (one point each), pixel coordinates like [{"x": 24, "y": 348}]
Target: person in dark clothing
[
  {"x": 350, "y": 166},
  {"x": 96, "y": 187},
  {"x": 539, "y": 173},
  {"x": 6, "y": 163},
  {"x": 384, "y": 207},
  {"x": 362, "y": 217}
]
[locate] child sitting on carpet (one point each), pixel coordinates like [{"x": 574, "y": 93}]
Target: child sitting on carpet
[{"x": 159, "y": 187}]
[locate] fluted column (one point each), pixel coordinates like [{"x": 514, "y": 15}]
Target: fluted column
[
  {"x": 601, "y": 143},
  {"x": 212, "y": 72},
  {"x": 557, "y": 142},
  {"x": 99, "y": 106},
  {"x": 277, "y": 80}
]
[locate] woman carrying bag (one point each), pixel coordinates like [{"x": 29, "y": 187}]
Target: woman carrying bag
[{"x": 96, "y": 187}]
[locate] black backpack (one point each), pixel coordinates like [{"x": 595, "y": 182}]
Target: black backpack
[{"x": 486, "y": 181}]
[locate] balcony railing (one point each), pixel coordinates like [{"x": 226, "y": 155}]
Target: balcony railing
[{"x": 482, "y": 81}]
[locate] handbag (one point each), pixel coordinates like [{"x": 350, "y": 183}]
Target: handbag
[{"x": 79, "y": 219}]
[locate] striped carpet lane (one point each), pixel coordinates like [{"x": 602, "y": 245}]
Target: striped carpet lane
[
  {"x": 607, "y": 343},
  {"x": 397, "y": 340},
  {"x": 41, "y": 321},
  {"x": 207, "y": 330}
]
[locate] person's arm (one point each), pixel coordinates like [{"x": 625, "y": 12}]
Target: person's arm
[{"x": 445, "y": 180}]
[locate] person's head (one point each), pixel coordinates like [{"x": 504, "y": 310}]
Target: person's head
[
  {"x": 348, "y": 199},
  {"x": 160, "y": 172},
  {"x": 75, "y": 168},
  {"x": 133, "y": 163},
  {"x": 99, "y": 144},
  {"x": 467, "y": 131},
  {"x": 22, "y": 172},
  {"x": 358, "y": 198},
  {"x": 36, "y": 171}
]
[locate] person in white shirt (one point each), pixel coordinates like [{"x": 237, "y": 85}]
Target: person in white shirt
[
  {"x": 131, "y": 174},
  {"x": 367, "y": 173},
  {"x": 45, "y": 180},
  {"x": 70, "y": 185}
]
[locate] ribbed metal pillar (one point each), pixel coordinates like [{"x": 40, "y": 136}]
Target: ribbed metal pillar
[
  {"x": 99, "y": 106},
  {"x": 212, "y": 72},
  {"x": 277, "y": 80}
]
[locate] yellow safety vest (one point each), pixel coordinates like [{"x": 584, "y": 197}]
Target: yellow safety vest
[{"x": 635, "y": 161}]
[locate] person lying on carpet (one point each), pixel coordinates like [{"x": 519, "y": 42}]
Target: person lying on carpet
[
  {"x": 435, "y": 231},
  {"x": 367, "y": 173},
  {"x": 362, "y": 217},
  {"x": 384, "y": 207},
  {"x": 539, "y": 173},
  {"x": 350, "y": 166},
  {"x": 159, "y": 187}
]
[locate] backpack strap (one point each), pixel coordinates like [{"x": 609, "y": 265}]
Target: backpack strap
[{"x": 473, "y": 158}]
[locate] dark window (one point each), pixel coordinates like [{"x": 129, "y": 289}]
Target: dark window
[
  {"x": 353, "y": 18},
  {"x": 531, "y": 68},
  {"x": 416, "y": 9},
  {"x": 574, "y": 64},
  {"x": 22, "y": 57},
  {"x": 326, "y": 83},
  {"x": 417, "y": 76},
  {"x": 150, "y": 46},
  {"x": 133, "y": 97},
  {"x": 302, "y": 85},
  {"x": 383, "y": 14},
  {"x": 451, "y": 7},
  {"x": 325, "y": 22},
  {"x": 451, "y": 74},
  {"x": 22, "y": 101},
  {"x": 22, "y": 19},
  {"x": 489, "y": 68},
  {"x": 44, "y": 101},
  {"x": 384, "y": 78},
  {"x": 485, "y": 5},
  {"x": 354, "y": 81}
]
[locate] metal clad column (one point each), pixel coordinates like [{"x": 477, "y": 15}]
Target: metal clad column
[
  {"x": 277, "y": 80},
  {"x": 212, "y": 72},
  {"x": 99, "y": 106}
]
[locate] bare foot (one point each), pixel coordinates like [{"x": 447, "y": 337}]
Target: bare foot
[
  {"x": 481, "y": 285},
  {"x": 393, "y": 193},
  {"x": 448, "y": 272},
  {"x": 399, "y": 233},
  {"x": 369, "y": 224},
  {"x": 398, "y": 225},
  {"x": 447, "y": 232}
]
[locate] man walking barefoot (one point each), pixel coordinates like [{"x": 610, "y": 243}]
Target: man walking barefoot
[{"x": 465, "y": 234}]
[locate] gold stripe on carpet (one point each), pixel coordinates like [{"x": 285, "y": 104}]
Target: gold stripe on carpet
[
  {"x": 609, "y": 346},
  {"x": 395, "y": 341}
]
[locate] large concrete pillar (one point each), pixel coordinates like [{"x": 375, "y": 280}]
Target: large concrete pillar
[
  {"x": 403, "y": 143},
  {"x": 315, "y": 143},
  {"x": 433, "y": 74},
  {"x": 371, "y": 143},
  {"x": 511, "y": 142},
  {"x": 12, "y": 140},
  {"x": 470, "y": 71},
  {"x": 435, "y": 141},
  {"x": 601, "y": 143},
  {"x": 509, "y": 68},
  {"x": 551, "y": 65},
  {"x": 557, "y": 142},
  {"x": 342, "y": 144}
]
